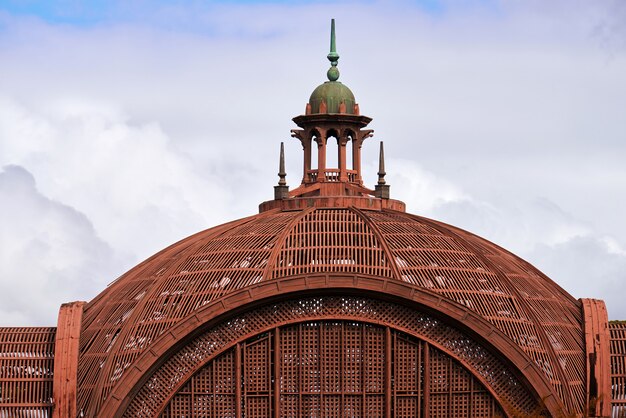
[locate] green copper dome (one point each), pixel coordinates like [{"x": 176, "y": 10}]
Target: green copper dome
[{"x": 333, "y": 93}]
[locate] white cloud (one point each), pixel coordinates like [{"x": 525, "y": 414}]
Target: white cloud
[
  {"x": 505, "y": 118},
  {"x": 138, "y": 192},
  {"x": 590, "y": 267},
  {"x": 126, "y": 176},
  {"x": 421, "y": 188},
  {"x": 50, "y": 253}
]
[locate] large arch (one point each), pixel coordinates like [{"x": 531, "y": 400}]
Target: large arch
[
  {"x": 485, "y": 367},
  {"x": 288, "y": 288},
  {"x": 332, "y": 368}
]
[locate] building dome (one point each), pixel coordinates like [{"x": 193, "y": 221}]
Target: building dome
[
  {"x": 439, "y": 261},
  {"x": 331, "y": 238},
  {"x": 333, "y": 261},
  {"x": 337, "y": 98},
  {"x": 331, "y": 301}
]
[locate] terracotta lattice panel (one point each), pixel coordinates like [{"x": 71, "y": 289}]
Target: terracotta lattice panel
[
  {"x": 156, "y": 295},
  {"x": 26, "y": 369},
  {"x": 331, "y": 240},
  {"x": 503, "y": 289},
  {"x": 121, "y": 323},
  {"x": 333, "y": 369},
  {"x": 331, "y": 359},
  {"x": 618, "y": 368}
]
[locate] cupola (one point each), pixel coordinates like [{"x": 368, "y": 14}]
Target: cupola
[{"x": 332, "y": 117}]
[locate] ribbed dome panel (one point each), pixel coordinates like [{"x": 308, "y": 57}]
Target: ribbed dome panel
[
  {"x": 331, "y": 240},
  {"x": 527, "y": 306},
  {"x": 212, "y": 264},
  {"x": 123, "y": 321}
]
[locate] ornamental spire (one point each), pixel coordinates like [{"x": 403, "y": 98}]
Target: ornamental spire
[
  {"x": 381, "y": 165},
  {"x": 282, "y": 190},
  {"x": 333, "y": 56},
  {"x": 281, "y": 166},
  {"x": 381, "y": 190}
]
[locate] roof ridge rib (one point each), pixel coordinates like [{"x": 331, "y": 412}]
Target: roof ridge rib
[
  {"x": 568, "y": 401},
  {"x": 383, "y": 244},
  {"x": 280, "y": 241},
  {"x": 102, "y": 387}
]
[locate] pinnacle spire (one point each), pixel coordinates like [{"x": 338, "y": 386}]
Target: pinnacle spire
[
  {"x": 382, "y": 188},
  {"x": 381, "y": 165},
  {"x": 282, "y": 190},
  {"x": 281, "y": 166},
  {"x": 333, "y": 56}
]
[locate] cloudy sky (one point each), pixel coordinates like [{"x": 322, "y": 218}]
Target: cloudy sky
[{"x": 126, "y": 126}]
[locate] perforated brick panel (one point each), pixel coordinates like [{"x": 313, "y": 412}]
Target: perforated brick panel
[
  {"x": 332, "y": 360},
  {"x": 340, "y": 372},
  {"x": 618, "y": 368},
  {"x": 527, "y": 306},
  {"x": 155, "y": 295},
  {"x": 331, "y": 240},
  {"x": 121, "y": 323},
  {"x": 26, "y": 368}
]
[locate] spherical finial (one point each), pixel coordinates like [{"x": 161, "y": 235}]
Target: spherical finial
[{"x": 333, "y": 73}]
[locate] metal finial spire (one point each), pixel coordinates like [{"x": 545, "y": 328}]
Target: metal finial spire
[
  {"x": 381, "y": 165},
  {"x": 382, "y": 188},
  {"x": 333, "y": 56},
  {"x": 281, "y": 166},
  {"x": 282, "y": 190}
]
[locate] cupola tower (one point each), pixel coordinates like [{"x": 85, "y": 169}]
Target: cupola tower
[{"x": 332, "y": 116}]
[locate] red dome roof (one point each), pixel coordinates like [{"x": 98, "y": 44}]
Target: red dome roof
[
  {"x": 334, "y": 228},
  {"x": 536, "y": 314}
]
